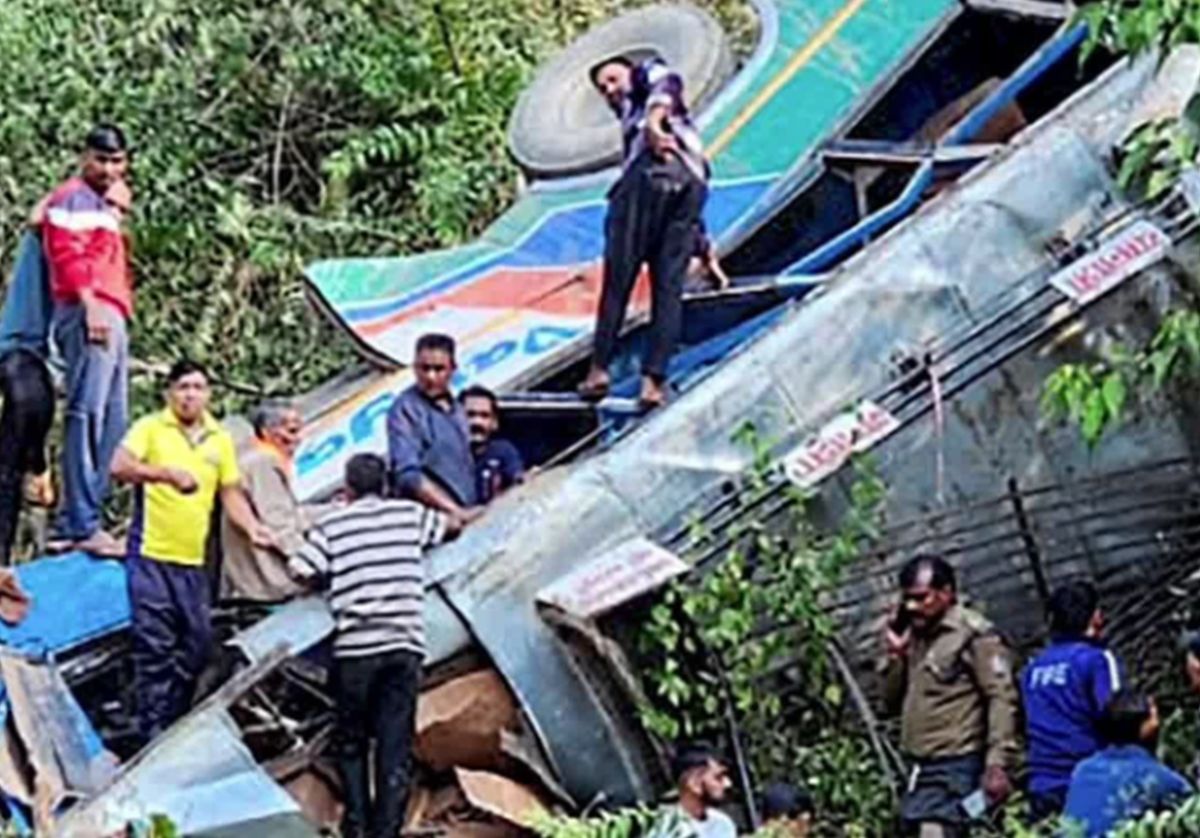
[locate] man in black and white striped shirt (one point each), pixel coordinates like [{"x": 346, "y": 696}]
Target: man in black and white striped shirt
[{"x": 371, "y": 555}]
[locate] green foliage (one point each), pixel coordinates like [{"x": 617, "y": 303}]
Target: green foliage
[
  {"x": 1133, "y": 26},
  {"x": 1177, "y": 740},
  {"x": 623, "y": 823},
  {"x": 158, "y": 826},
  {"x": 1155, "y": 155},
  {"x": 1091, "y": 396},
  {"x": 269, "y": 135},
  {"x": 1095, "y": 396},
  {"x": 760, "y": 608},
  {"x": 1179, "y": 823}
]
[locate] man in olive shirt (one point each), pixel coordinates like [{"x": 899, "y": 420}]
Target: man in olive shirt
[{"x": 951, "y": 676}]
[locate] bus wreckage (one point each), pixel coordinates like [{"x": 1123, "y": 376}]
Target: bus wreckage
[{"x": 914, "y": 248}]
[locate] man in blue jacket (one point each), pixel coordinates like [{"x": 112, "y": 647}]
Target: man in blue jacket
[
  {"x": 1065, "y": 690},
  {"x": 1123, "y": 781}
]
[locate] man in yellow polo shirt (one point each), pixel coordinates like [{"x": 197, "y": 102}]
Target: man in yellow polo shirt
[{"x": 178, "y": 461}]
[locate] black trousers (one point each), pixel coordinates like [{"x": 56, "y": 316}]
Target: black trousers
[
  {"x": 376, "y": 699},
  {"x": 172, "y": 638},
  {"x": 653, "y": 211},
  {"x": 25, "y": 419}
]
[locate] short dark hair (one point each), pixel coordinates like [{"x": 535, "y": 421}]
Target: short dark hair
[
  {"x": 783, "y": 800},
  {"x": 692, "y": 755},
  {"x": 435, "y": 342},
  {"x": 366, "y": 474},
  {"x": 1123, "y": 717},
  {"x": 185, "y": 366},
  {"x": 106, "y": 137},
  {"x": 478, "y": 391},
  {"x": 941, "y": 574},
  {"x": 1071, "y": 608},
  {"x": 594, "y": 72}
]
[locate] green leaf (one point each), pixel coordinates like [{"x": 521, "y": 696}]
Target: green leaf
[
  {"x": 1159, "y": 182},
  {"x": 833, "y": 694},
  {"x": 1114, "y": 391},
  {"x": 1094, "y": 417}
]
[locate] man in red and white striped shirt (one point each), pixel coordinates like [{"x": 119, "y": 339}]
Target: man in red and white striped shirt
[{"x": 93, "y": 300}]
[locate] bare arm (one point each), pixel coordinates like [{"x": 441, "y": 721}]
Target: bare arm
[
  {"x": 127, "y": 468},
  {"x": 431, "y": 494},
  {"x": 434, "y": 496}
]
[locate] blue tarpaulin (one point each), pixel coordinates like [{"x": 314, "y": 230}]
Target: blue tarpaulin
[{"x": 75, "y": 598}]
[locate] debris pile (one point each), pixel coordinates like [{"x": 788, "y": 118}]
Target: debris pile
[{"x": 478, "y": 773}]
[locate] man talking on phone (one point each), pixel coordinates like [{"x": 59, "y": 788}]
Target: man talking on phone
[{"x": 950, "y": 675}]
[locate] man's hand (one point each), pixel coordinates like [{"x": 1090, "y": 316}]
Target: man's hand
[
  {"x": 661, "y": 142},
  {"x": 96, "y": 320},
  {"x": 181, "y": 479},
  {"x": 262, "y": 537},
  {"x": 896, "y": 643},
  {"x": 472, "y": 514},
  {"x": 465, "y": 516},
  {"x": 996, "y": 784},
  {"x": 658, "y": 135}
]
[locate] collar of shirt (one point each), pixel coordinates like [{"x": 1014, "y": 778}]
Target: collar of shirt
[
  {"x": 952, "y": 621},
  {"x": 282, "y": 460},
  {"x": 1068, "y": 640},
  {"x": 446, "y": 403},
  {"x": 274, "y": 451},
  {"x": 206, "y": 427},
  {"x": 1127, "y": 753}
]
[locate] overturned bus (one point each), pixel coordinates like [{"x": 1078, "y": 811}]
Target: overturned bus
[{"x": 920, "y": 211}]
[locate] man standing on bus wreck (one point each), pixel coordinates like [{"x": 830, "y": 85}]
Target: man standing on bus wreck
[{"x": 653, "y": 215}]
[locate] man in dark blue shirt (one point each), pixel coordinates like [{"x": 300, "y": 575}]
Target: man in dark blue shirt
[
  {"x": 1065, "y": 690},
  {"x": 1123, "y": 781},
  {"x": 498, "y": 464},
  {"x": 429, "y": 449}
]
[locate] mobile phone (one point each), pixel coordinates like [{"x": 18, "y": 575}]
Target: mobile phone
[
  {"x": 974, "y": 804},
  {"x": 901, "y": 621}
]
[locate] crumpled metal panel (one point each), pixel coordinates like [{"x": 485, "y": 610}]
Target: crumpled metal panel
[
  {"x": 303, "y": 623},
  {"x": 937, "y": 272},
  {"x": 201, "y": 775},
  {"x": 299, "y": 625},
  {"x": 58, "y": 737}
]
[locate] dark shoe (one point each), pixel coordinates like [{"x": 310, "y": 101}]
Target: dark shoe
[
  {"x": 653, "y": 395},
  {"x": 595, "y": 387}
]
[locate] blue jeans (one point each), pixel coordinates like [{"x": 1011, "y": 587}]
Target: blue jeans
[{"x": 96, "y": 415}]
